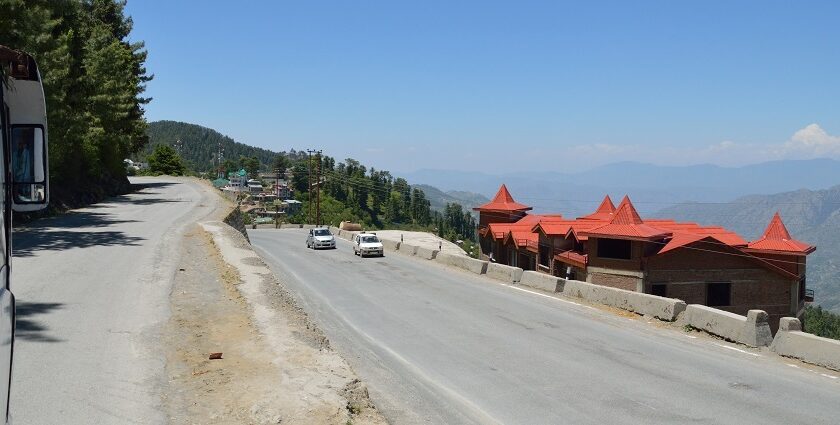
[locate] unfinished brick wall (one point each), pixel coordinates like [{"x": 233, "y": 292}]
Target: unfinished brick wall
[
  {"x": 613, "y": 281},
  {"x": 753, "y": 286}
]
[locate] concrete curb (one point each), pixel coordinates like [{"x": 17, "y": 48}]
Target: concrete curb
[
  {"x": 543, "y": 281},
  {"x": 790, "y": 341},
  {"x": 504, "y": 273},
  {"x": 662, "y": 308},
  {"x": 426, "y": 253},
  {"x": 752, "y": 330},
  {"x": 462, "y": 262}
]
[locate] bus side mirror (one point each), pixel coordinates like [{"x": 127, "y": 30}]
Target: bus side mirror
[{"x": 30, "y": 188}]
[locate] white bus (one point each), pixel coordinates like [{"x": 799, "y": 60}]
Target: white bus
[{"x": 23, "y": 178}]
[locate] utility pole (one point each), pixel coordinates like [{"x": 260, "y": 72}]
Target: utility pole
[
  {"x": 309, "y": 162},
  {"x": 318, "y": 190}
]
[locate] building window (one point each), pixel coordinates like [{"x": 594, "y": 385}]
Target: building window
[
  {"x": 718, "y": 294},
  {"x": 659, "y": 289},
  {"x": 545, "y": 254},
  {"x": 614, "y": 248}
]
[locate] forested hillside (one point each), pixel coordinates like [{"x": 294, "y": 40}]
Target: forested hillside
[
  {"x": 811, "y": 216},
  {"x": 94, "y": 79},
  {"x": 439, "y": 199},
  {"x": 350, "y": 191},
  {"x": 199, "y": 146}
]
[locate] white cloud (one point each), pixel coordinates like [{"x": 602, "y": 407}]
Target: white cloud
[{"x": 812, "y": 141}]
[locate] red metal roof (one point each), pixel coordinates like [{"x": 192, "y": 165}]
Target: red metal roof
[
  {"x": 681, "y": 239},
  {"x": 573, "y": 258},
  {"x": 776, "y": 238},
  {"x": 604, "y": 212},
  {"x": 503, "y": 201},
  {"x": 626, "y": 224}
]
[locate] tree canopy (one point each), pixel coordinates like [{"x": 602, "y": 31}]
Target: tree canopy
[
  {"x": 164, "y": 160},
  {"x": 94, "y": 79}
]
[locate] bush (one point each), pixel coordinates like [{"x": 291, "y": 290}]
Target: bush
[{"x": 822, "y": 323}]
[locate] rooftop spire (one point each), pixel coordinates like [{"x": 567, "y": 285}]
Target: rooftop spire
[
  {"x": 626, "y": 213},
  {"x": 776, "y": 238},
  {"x": 503, "y": 201},
  {"x": 776, "y": 230}
]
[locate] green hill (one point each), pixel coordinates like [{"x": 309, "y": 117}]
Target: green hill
[
  {"x": 199, "y": 145},
  {"x": 810, "y": 216},
  {"x": 438, "y": 198}
]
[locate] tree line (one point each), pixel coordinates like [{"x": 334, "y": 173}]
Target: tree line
[
  {"x": 374, "y": 198},
  {"x": 94, "y": 79},
  {"x": 206, "y": 150}
]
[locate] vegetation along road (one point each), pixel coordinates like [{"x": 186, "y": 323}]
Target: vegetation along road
[{"x": 438, "y": 345}]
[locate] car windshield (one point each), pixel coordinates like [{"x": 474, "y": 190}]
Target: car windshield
[
  {"x": 369, "y": 239},
  {"x": 321, "y": 232}
]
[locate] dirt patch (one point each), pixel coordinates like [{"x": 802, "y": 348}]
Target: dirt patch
[
  {"x": 209, "y": 315},
  {"x": 272, "y": 371}
]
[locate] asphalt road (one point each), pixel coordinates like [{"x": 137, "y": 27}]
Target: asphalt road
[
  {"x": 438, "y": 345},
  {"x": 92, "y": 291}
]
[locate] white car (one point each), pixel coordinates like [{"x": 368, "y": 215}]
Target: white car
[
  {"x": 367, "y": 244},
  {"x": 320, "y": 238}
]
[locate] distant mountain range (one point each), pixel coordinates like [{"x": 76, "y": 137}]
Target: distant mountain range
[
  {"x": 438, "y": 198},
  {"x": 812, "y": 216},
  {"x": 652, "y": 187}
]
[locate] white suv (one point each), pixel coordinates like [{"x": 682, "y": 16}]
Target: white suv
[
  {"x": 320, "y": 238},
  {"x": 367, "y": 244}
]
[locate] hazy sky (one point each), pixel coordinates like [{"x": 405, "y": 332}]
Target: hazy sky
[{"x": 503, "y": 86}]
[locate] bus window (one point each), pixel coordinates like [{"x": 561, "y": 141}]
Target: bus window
[{"x": 28, "y": 172}]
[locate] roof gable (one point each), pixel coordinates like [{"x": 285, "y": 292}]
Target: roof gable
[
  {"x": 503, "y": 201},
  {"x": 626, "y": 224},
  {"x": 604, "y": 212},
  {"x": 776, "y": 238}
]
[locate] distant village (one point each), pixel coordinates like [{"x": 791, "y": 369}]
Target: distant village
[{"x": 266, "y": 197}]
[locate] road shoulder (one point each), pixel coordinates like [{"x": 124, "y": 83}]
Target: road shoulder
[{"x": 277, "y": 366}]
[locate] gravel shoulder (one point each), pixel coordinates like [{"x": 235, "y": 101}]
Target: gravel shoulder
[{"x": 276, "y": 366}]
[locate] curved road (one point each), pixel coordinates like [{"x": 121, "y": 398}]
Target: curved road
[
  {"x": 92, "y": 291},
  {"x": 438, "y": 345}
]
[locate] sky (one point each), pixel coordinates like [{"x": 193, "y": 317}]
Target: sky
[{"x": 501, "y": 86}]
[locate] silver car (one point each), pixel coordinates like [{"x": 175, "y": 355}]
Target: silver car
[
  {"x": 367, "y": 244},
  {"x": 320, "y": 237}
]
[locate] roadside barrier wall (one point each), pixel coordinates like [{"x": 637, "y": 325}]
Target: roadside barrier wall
[
  {"x": 389, "y": 245},
  {"x": 660, "y": 307},
  {"x": 426, "y": 253},
  {"x": 407, "y": 249},
  {"x": 752, "y": 330},
  {"x": 543, "y": 281},
  {"x": 790, "y": 341},
  {"x": 236, "y": 219},
  {"x": 504, "y": 273},
  {"x": 462, "y": 262}
]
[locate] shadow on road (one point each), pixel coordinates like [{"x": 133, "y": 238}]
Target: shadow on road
[
  {"x": 29, "y": 329},
  {"x": 27, "y": 243}
]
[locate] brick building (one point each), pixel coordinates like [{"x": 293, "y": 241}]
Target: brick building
[{"x": 615, "y": 247}]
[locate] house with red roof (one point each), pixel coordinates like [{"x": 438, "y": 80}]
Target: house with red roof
[{"x": 614, "y": 246}]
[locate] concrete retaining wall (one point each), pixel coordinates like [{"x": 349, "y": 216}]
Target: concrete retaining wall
[
  {"x": 389, "y": 245},
  {"x": 504, "y": 273},
  {"x": 660, "y": 307},
  {"x": 426, "y": 253},
  {"x": 790, "y": 341},
  {"x": 752, "y": 330},
  {"x": 462, "y": 262},
  {"x": 543, "y": 281},
  {"x": 407, "y": 249}
]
